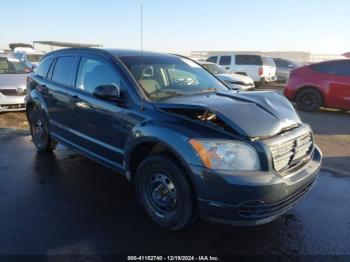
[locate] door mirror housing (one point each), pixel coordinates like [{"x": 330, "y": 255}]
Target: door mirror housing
[{"x": 108, "y": 92}]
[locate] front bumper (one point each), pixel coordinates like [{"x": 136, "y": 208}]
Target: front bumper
[
  {"x": 250, "y": 198},
  {"x": 11, "y": 103}
]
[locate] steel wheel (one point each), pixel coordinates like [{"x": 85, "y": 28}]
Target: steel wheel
[
  {"x": 39, "y": 130},
  {"x": 39, "y": 133},
  {"x": 162, "y": 193}
]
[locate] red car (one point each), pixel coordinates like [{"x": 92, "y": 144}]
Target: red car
[{"x": 324, "y": 84}]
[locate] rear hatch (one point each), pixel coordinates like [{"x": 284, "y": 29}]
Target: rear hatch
[{"x": 269, "y": 66}]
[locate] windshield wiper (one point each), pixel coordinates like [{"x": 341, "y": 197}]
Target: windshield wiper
[
  {"x": 207, "y": 90},
  {"x": 167, "y": 93}
]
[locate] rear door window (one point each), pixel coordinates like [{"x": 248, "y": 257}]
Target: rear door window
[
  {"x": 248, "y": 60},
  {"x": 341, "y": 68},
  {"x": 225, "y": 60},
  {"x": 63, "y": 70}
]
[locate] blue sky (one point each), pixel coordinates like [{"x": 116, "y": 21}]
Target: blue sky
[{"x": 319, "y": 26}]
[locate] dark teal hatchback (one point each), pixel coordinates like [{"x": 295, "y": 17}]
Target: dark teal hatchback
[{"x": 192, "y": 147}]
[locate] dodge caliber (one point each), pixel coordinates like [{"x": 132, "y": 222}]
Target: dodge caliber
[{"x": 191, "y": 147}]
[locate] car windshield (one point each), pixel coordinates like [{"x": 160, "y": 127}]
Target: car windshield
[
  {"x": 268, "y": 61},
  {"x": 10, "y": 65},
  {"x": 34, "y": 58},
  {"x": 214, "y": 69},
  {"x": 162, "y": 77}
]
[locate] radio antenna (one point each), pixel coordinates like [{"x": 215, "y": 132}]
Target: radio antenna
[
  {"x": 141, "y": 42},
  {"x": 141, "y": 27}
]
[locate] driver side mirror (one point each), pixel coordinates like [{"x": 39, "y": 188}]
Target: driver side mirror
[{"x": 108, "y": 92}]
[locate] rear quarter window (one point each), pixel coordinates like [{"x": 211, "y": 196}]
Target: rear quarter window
[
  {"x": 248, "y": 60},
  {"x": 43, "y": 67}
]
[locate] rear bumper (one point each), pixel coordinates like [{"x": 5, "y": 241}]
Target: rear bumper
[
  {"x": 268, "y": 79},
  {"x": 252, "y": 198}
]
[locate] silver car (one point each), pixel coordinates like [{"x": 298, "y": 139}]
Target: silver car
[
  {"x": 233, "y": 81},
  {"x": 284, "y": 67},
  {"x": 31, "y": 59},
  {"x": 12, "y": 84}
]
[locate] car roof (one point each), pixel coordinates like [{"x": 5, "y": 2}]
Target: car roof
[
  {"x": 330, "y": 61},
  {"x": 112, "y": 51}
]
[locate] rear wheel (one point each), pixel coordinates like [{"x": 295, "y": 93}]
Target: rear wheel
[
  {"x": 164, "y": 192},
  {"x": 309, "y": 100},
  {"x": 39, "y": 130}
]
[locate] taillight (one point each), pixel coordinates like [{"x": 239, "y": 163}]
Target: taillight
[{"x": 261, "y": 71}]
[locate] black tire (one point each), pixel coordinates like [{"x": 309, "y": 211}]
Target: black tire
[
  {"x": 39, "y": 130},
  {"x": 309, "y": 100},
  {"x": 164, "y": 192}
]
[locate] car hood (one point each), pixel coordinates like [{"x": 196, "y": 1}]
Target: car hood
[
  {"x": 253, "y": 114},
  {"x": 234, "y": 77},
  {"x": 12, "y": 80}
]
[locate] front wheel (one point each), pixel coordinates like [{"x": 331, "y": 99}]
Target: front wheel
[
  {"x": 164, "y": 192},
  {"x": 39, "y": 130}
]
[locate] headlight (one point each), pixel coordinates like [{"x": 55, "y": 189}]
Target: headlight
[{"x": 226, "y": 155}]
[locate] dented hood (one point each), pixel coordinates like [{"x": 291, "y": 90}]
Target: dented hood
[{"x": 250, "y": 114}]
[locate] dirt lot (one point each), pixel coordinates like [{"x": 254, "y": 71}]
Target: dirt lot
[{"x": 13, "y": 120}]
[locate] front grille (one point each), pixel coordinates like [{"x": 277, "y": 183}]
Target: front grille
[
  {"x": 13, "y": 92},
  {"x": 291, "y": 148},
  {"x": 13, "y": 106}
]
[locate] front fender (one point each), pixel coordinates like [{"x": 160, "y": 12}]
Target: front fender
[
  {"x": 169, "y": 135},
  {"x": 35, "y": 98}
]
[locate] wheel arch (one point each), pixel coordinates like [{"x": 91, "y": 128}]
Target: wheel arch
[
  {"x": 147, "y": 147},
  {"x": 36, "y": 99}
]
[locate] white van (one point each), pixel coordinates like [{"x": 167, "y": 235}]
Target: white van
[{"x": 261, "y": 69}]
